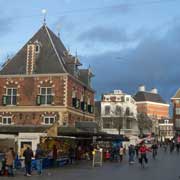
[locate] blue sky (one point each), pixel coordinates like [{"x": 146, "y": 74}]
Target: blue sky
[{"x": 126, "y": 42}]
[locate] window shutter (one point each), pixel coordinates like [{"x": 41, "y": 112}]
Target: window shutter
[
  {"x": 38, "y": 100},
  {"x": 85, "y": 106},
  {"x": 77, "y": 103},
  {"x": 74, "y": 101},
  {"x": 89, "y": 108},
  {"x": 4, "y": 100},
  {"x": 92, "y": 109}
]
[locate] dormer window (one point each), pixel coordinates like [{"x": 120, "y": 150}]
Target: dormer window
[{"x": 37, "y": 48}]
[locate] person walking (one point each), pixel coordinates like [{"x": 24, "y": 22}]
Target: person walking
[
  {"x": 9, "y": 159},
  {"x": 54, "y": 155},
  {"x": 131, "y": 154},
  {"x": 71, "y": 154},
  {"x": 38, "y": 157},
  {"x": 143, "y": 154},
  {"x": 154, "y": 148},
  {"x": 177, "y": 147},
  {"x": 137, "y": 150},
  {"x": 121, "y": 153},
  {"x": 28, "y": 154}
]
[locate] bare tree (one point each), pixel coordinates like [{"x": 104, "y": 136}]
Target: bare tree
[{"x": 144, "y": 122}]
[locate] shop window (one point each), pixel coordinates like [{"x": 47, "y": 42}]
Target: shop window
[
  {"x": 11, "y": 96},
  {"x": 6, "y": 120},
  {"x": 107, "y": 123},
  {"x": 48, "y": 120}
]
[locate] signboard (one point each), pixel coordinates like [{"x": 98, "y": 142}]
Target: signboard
[{"x": 97, "y": 157}]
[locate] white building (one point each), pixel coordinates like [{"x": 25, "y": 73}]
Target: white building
[
  {"x": 166, "y": 129},
  {"x": 119, "y": 114}
]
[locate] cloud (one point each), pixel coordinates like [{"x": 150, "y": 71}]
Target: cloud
[
  {"x": 154, "y": 62},
  {"x": 5, "y": 25},
  {"x": 110, "y": 35},
  {"x": 104, "y": 34}
]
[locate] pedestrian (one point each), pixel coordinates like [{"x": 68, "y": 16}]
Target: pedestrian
[
  {"x": 28, "y": 154},
  {"x": 137, "y": 150},
  {"x": 71, "y": 154},
  {"x": 38, "y": 157},
  {"x": 9, "y": 159},
  {"x": 177, "y": 147},
  {"x": 131, "y": 154},
  {"x": 143, "y": 153},
  {"x": 171, "y": 146},
  {"x": 121, "y": 153},
  {"x": 54, "y": 155},
  {"x": 154, "y": 148}
]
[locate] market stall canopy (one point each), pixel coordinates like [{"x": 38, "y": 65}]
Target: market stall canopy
[
  {"x": 16, "y": 129},
  {"x": 87, "y": 126},
  {"x": 83, "y": 134}
]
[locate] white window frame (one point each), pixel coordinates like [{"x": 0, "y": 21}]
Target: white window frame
[
  {"x": 177, "y": 123},
  {"x": 6, "y": 117},
  {"x": 48, "y": 117},
  {"x": 46, "y": 94},
  {"x": 178, "y": 111},
  {"x": 11, "y": 95}
]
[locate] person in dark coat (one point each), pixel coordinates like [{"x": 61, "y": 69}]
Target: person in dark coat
[
  {"x": 131, "y": 153},
  {"x": 55, "y": 154},
  {"x": 38, "y": 157},
  {"x": 71, "y": 154},
  {"x": 28, "y": 154}
]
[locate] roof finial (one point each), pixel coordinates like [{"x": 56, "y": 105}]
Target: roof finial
[
  {"x": 68, "y": 49},
  {"x": 44, "y": 12},
  {"x": 58, "y": 29},
  {"x": 76, "y": 53}
]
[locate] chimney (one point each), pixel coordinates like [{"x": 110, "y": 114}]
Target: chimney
[
  {"x": 117, "y": 92},
  {"x": 142, "y": 88},
  {"x": 154, "y": 90}
]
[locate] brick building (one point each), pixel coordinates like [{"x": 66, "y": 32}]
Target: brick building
[
  {"x": 176, "y": 110},
  {"x": 151, "y": 103},
  {"x": 43, "y": 84}
]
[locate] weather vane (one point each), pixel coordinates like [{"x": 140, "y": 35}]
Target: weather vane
[
  {"x": 44, "y": 12},
  {"x": 58, "y": 27}
]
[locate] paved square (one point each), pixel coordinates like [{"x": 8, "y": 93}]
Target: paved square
[{"x": 166, "y": 167}]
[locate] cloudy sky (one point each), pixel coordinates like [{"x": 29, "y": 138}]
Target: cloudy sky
[{"x": 126, "y": 42}]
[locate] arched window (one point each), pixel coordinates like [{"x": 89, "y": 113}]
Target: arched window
[
  {"x": 127, "y": 111},
  {"x": 118, "y": 110},
  {"x": 107, "y": 110}
]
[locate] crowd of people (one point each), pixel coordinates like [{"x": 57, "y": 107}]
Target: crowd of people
[{"x": 118, "y": 153}]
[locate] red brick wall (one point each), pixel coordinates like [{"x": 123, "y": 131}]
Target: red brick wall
[
  {"x": 28, "y": 89},
  {"x": 28, "y": 118},
  {"x": 80, "y": 90},
  {"x": 154, "y": 109}
]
